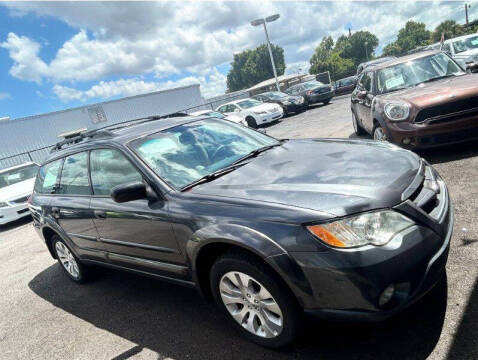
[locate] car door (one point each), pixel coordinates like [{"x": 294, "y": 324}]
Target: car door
[
  {"x": 70, "y": 204},
  {"x": 136, "y": 233},
  {"x": 362, "y": 98}
]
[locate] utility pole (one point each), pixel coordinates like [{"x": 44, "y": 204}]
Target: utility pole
[{"x": 467, "y": 6}]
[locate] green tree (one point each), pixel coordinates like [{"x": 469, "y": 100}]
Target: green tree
[
  {"x": 321, "y": 54},
  {"x": 327, "y": 58},
  {"x": 253, "y": 66},
  {"x": 450, "y": 28},
  {"x": 361, "y": 46},
  {"x": 411, "y": 36}
]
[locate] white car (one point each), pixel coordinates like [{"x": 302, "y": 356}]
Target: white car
[
  {"x": 463, "y": 49},
  {"x": 254, "y": 112},
  {"x": 16, "y": 185},
  {"x": 217, "y": 114}
]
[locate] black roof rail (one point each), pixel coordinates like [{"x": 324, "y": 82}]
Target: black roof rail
[{"x": 73, "y": 138}]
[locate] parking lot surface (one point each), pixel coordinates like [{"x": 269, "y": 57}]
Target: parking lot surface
[{"x": 43, "y": 315}]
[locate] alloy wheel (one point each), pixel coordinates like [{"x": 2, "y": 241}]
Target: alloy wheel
[
  {"x": 251, "y": 304},
  {"x": 379, "y": 134},
  {"x": 67, "y": 260}
]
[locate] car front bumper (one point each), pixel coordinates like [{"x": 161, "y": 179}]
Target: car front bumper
[
  {"x": 269, "y": 117},
  {"x": 295, "y": 107},
  {"x": 12, "y": 213}
]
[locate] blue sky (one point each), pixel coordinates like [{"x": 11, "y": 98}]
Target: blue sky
[{"x": 59, "y": 55}]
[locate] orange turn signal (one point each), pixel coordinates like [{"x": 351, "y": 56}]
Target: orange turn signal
[{"x": 325, "y": 235}]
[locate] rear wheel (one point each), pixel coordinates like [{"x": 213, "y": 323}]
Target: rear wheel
[
  {"x": 255, "y": 300},
  {"x": 357, "y": 128},
  {"x": 251, "y": 122},
  {"x": 70, "y": 264},
  {"x": 326, "y": 101}
]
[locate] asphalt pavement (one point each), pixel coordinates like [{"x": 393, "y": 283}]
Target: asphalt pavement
[{"x": 43, "y": 315}]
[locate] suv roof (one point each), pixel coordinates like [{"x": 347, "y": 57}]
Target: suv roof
[{"x": 118, "y": 133}]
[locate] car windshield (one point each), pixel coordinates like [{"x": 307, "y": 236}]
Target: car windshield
[
  {"x": 246, "y": 104},
  {"x": 185, "y": 153},
  {"x": 215, "y": 114},
  {"x": 275, "y": 95},
  {"x": 14, "y": 176},
  {"x": 416, "y": 71},
  {"x": 312, "y": 84},
  {"x": 465, "y": 44}
]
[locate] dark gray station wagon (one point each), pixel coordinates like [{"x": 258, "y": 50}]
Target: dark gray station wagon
[{"x": 270, "y": 229}]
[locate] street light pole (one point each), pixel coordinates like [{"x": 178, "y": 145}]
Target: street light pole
[
  {"x": 366, "y": 53},
  {"x": 258, "y": 22}
]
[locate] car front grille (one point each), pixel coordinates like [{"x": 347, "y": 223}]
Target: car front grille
[
  {"x": 448, "y": 137},
  {"x": 450, "y": 111},
  {"x": 19, "y": 201}
]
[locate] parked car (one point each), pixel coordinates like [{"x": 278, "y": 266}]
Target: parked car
[
  {"x": 463, "y": 49},
  {"x": 374, "y": 62},
  {"x": 290, "y": 104},
  {"x": 16, "y": 185},
  {"x": 345, "y": 86},
  {"x": 267, "y": 228},
  {"x": 252, "y": 111},
  {"x": 217, "y": 114},
  {"x": 313, "y": 92},
  {"x": 420, "y": 100}
]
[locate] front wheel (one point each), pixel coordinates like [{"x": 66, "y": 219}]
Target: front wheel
[
  {"x": 379, "y": 133},
  {"x": 251, "y": 122},
  {"x": 326, "y": 101},
  {"x": 255, "y": 300},
  {"x": 75, "y": 270}
]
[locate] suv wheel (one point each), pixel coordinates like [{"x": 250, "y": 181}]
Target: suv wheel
[
  {"x": 357, "y": 128},
  {"x": 379, "y": 133},
  {"x": 255, "y": 300},
  {"x": 69, "y": 262},
  {"x": 251, "y": 122}
]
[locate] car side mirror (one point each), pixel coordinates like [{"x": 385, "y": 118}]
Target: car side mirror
[
  {"x": 361, "y": 94},
  {"x": 262, "y": 131},
  {"x": 129, "y": 192}
]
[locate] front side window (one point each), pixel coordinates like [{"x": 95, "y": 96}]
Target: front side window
[
  {"x": 74, "y": 176},
  {"x": 108, "y": 168},
  {"x": 47, "y": 177},
  {"x": 185, "y": 153},
  {"x": 17, "y": 175},
  {"x": 466, "y": 44},
  {"x": 414, "y": 72}
]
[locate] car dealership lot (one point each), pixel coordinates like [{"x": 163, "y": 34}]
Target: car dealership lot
[{"x": 44, "y": 315}]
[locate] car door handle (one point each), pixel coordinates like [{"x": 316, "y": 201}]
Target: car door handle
[
  {"x": 100, "y": 214},
  {"x": 55, "y": 212}
]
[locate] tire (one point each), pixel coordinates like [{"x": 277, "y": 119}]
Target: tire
[
  {"x": 358, "y": 129},
  {"x": 326, "y": 101},
  {"x": 272, "y": 329},
  {"x": 62, "y": 251},
  {"x": 379, "y": 133},
  {"x": 251, "y": 122}
]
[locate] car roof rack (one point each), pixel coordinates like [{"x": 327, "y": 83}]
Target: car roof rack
[{"x": 76, "y": 136}]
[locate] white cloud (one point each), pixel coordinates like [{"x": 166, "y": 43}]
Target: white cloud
[
  {"x": 128, "y": 40},
  {"x": 211, "y": 84},
  {"x": 4, "y": 95}
]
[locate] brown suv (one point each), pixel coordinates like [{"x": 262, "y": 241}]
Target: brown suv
[{"x": 416, "y": 101}]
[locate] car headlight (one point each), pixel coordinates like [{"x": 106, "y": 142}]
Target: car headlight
[
  {"x": 260, "y": 112},
  {"x": 374, "y": 228},
  {"x": 397, "y": 111},
  {"x": 3, "y": 204}
]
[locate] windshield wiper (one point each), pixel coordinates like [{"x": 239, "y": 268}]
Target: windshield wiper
[
  {"x": 256, "y": 152},
  {"x": 212, "y": 176}
]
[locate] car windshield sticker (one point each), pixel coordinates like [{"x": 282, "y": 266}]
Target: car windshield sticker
[{"x": 394, "y": 82}]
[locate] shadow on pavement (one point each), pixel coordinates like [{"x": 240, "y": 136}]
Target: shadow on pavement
[
  {"x": 465, "y": 343},
  {"x": 15, "y": 224},
  {"x": 176, "y": 323}
]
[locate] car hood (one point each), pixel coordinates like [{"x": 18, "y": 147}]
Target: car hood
[
  {"x": 438, "y": 92},
  {"x": 17, "y": 190},
  {"x": 337, "y": 177}
]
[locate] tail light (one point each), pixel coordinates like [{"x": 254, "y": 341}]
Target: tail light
[{"x": 310, "y": 92}]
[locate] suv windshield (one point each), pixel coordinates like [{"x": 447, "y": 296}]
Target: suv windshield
[
  {"x": 246, "y": 104},
  {"x": 275, "y": 95},
  {"x": 188, "y": 152},
  {"x": 18, "y": 175},
  {"x": 466, "y": 44},
  {"x": 416, "y": 71}
]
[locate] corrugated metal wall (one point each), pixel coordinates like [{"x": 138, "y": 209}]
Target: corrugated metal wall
[{"x": 36, "y": 132}]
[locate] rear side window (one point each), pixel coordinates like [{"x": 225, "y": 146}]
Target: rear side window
[
  {"x": 109, "y": 168},
  {"x": 74, "y": 176},
  {"x": 47, "y": 177}
]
